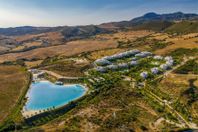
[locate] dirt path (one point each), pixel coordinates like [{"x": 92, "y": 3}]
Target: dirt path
[
  {"x": 58, "y": 76},
  {"x": 183, "y": 121}
]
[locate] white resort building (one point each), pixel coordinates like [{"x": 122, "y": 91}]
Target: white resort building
[
  {"x": 155, "y": 70},
  {"x": 109, "y": 62},
  {"x": 102, "y": 62},
  {"x": 133, "y": 63},
  {"x": 112, "y": 67},
  {"x": 123, "y": 65},
  {"x": 157, "y": 57},
  {"x": 144, "y": 75},
  {"x": 100, "y": 69},
  {"x": 143, "y": 54},
  {"x": 164, "y": 67}
]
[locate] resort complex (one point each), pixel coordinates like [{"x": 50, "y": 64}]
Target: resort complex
[
  {"x": 144, "y": 63},
  {"x": 135, "y": 75}
]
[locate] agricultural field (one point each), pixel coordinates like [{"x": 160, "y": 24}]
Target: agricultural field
[{"x": 14, "y": 83}]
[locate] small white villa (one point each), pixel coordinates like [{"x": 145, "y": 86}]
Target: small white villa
[
  {"x": 170, "y": 62},
  {"x": 100, "y": 69},
  {"x": 123, "y": 65},
  {"x": 121, "y": 55},
  {"x": 102, "y": 62},
  {"x": 133, "y": 63},
  {"x": 134, "y": 59},
  {"x": 112, "y": 67},
  {"x": 155, "y": 70},
  {"x": 164, "y": 67},
  {"x": 167, "y": 58},
  {"x": 144, "y": 75},
  {"x": 143, "y": 54},
  {"x": 158, "y": 57}
]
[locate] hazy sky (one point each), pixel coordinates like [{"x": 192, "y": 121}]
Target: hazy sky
[{"x": 80, "y": 12}]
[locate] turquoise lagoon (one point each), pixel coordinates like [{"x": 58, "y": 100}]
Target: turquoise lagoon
[{"x": 44, "y": 94}]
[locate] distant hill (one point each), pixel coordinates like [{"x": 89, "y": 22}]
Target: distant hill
[
  {"x": 69, "y": 32},
  {"x": 183, "y": 27},
  {"x": 153, "y": 25},
  {"x": 80, "y": 32},
  {"x": 17, "y": 31},
  {"x": 149, "y": 21},
  {"x": 178, "y": 16},
  {"x": 159, "y": 22},
  {"x": 153, "y": 17}
]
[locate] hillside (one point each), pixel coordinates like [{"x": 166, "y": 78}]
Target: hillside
[
  {"x": 183, "y": 27},
  {"x": 80, "y": 32},
  {"x": 12, "y": 90},
  {"x": 153, "y": 25},
  {"x": 21, "y": 39},
  {"x": 17, "y": 31},
  {"x": 117, "y": 100},
  {"x": 149, "y": 17},
  {"x": 89, "y": 30}
]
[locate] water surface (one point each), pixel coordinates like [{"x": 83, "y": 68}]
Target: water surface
[{"x": 44, "y": 94}]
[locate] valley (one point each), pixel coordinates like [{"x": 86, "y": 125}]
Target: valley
[{"x": 124, "y": 94}]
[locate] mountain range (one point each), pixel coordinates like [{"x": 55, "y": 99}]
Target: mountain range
[{"x": 149, "y": 21}]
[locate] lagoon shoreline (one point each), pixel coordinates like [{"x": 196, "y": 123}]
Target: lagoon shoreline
[{"x": 30, "y": 113}]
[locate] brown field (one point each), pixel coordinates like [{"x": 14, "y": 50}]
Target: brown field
[
  {"x": 26, "y": 37},
  {"x": 69, "y": 68},
  {"x": 27, "y": 45},
  {"x": 102, "y": 53},
  {"x": 68, "y": 49},
  {"x": 2, "y": 48},
  {"x": 99, "y": 42},
  {"x": 46, "y": 36},
  {"x": 175, "y": 85},
  {"x": 185, "y": 41},
  {"x": 13, "y": 80},
  {"x": 52, "y": 38},
  {"x": 123, "y": 36},
  {"x": 31, "y": 64}
]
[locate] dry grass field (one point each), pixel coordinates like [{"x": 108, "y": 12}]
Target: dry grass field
[
  {"x": 69, "y": 68},
  {"x": 53, "y": 36},
  {"x": 123, "y": 36},
  {"x": 185, "y": 41},
  {"x": 178, "y": 87},
  {"x": 102, "y": 53},
  {"x": 13, "y": 80},
  {"x": 99, "y": 42},
  {"x": 175, "y": 84},
  {"x": 27, "y": 37},
  {"x": 31, "y": 64},
  {"x": 27, "y": 45},
  {"x": 68, "y": 49}
]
